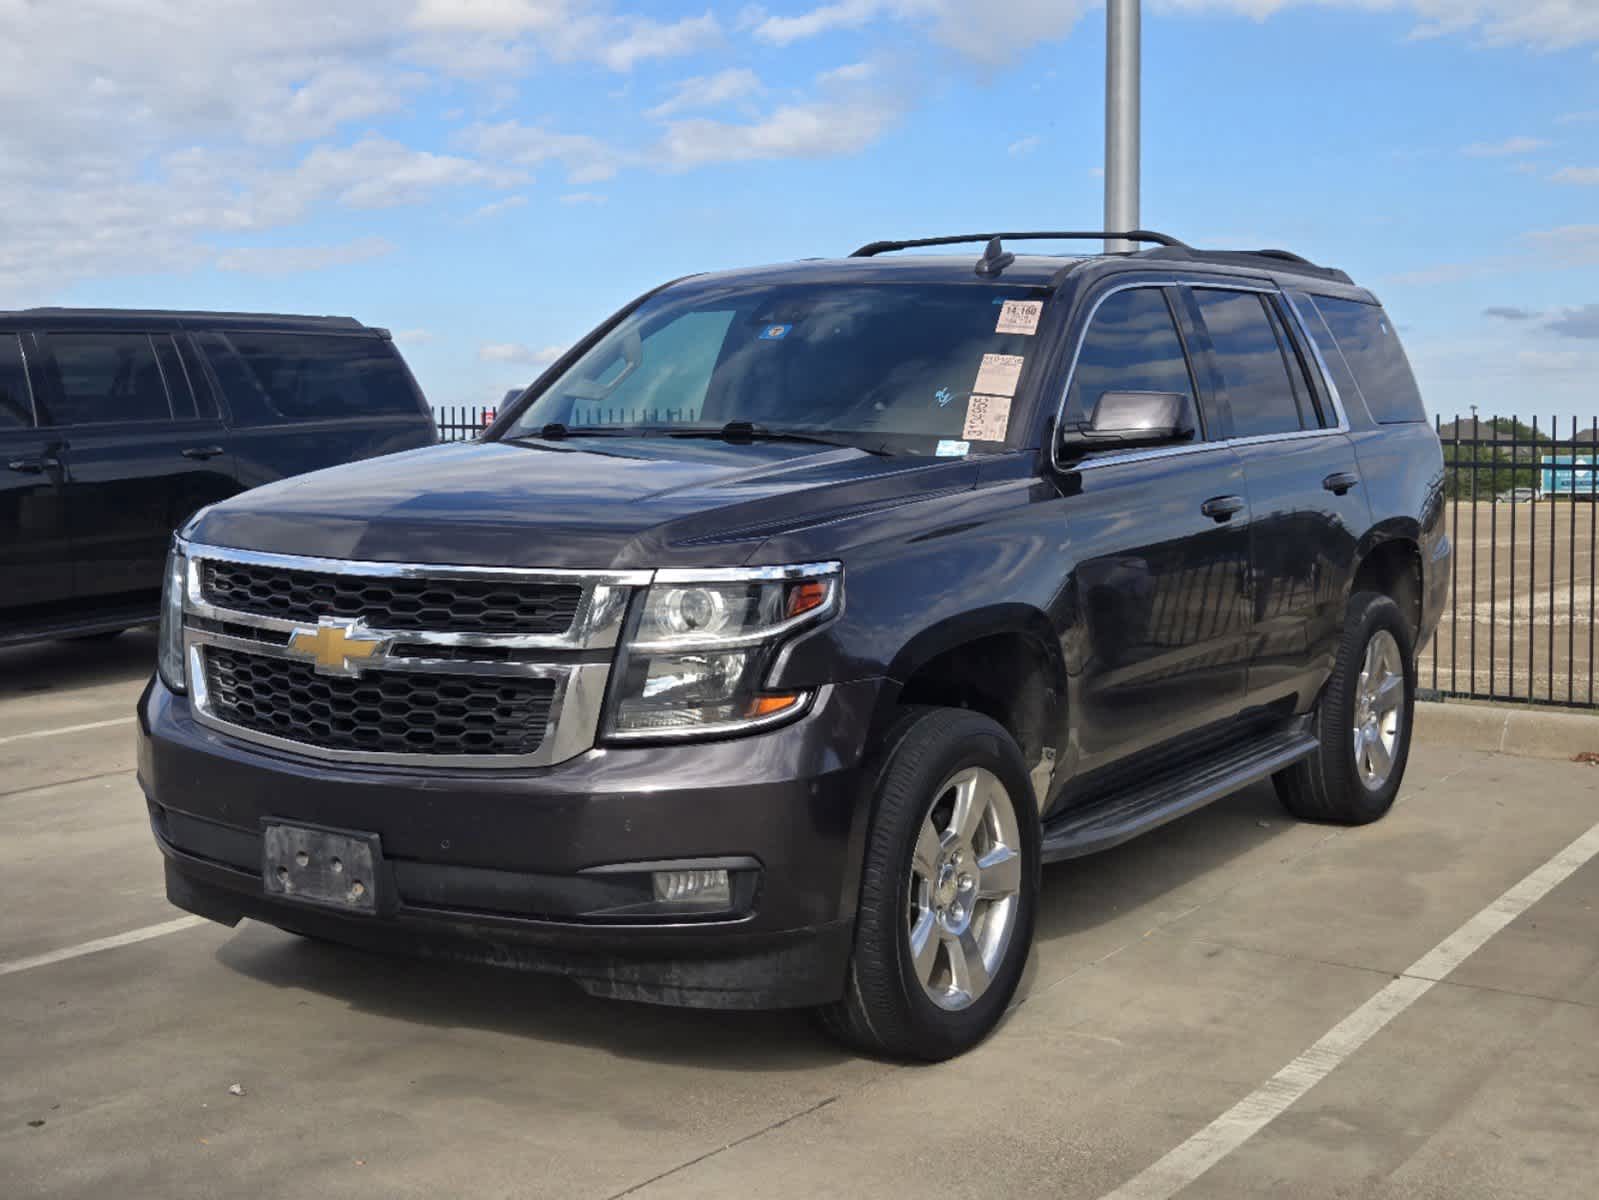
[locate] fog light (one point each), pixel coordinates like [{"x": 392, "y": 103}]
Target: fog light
[{"x": 709, "y": 888}]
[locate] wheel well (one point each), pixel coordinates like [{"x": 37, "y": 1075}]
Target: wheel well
[
  {"x": 1394, "y": 569},
  {"x": 1004, "y": 676}
]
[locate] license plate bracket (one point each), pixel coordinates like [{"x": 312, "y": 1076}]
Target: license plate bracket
[{"x": 329, "y": 868}]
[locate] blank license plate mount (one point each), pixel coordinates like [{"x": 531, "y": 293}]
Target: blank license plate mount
[{"x": 328, "y": 868}]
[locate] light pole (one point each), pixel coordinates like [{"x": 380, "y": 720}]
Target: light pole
[{"x": 1122, "y": 117}]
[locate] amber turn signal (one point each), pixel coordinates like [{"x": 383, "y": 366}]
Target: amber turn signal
[
  {"x": 803, "y": 597},
  {"x": 766, "y": 706}
]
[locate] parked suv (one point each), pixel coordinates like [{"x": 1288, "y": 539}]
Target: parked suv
[
  {"x": 764, "y": 649},
  {"x": 116, "y": 426}
]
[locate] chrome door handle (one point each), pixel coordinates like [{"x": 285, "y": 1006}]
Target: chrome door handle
[
  {"x": 1340, "y": 482},
  {"x": 27, "y": 466},
  {"x": 1222, "y": 508}
]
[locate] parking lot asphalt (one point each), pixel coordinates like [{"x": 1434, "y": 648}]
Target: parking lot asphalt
[{"x": 1177, "y": 985}]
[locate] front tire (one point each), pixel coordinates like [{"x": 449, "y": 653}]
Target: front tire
[
  {"x": 949, "y": 891},
  {"x": 1363, "y": 721}
]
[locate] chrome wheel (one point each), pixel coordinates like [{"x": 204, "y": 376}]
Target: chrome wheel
[
  {"x": 1379, "y": 707},
  {"x": 965, "y": 893}
]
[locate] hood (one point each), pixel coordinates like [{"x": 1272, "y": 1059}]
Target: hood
[{"x": 624, "y": 503}]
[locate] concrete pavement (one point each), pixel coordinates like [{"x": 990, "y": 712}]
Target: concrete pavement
[{"x": 1172, "y": 978}]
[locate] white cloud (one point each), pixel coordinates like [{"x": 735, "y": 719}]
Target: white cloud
[
  {"x": 843, "y": 117},
  {"x": 495, "y": 207},
  {"x": 516, "y": 352},
  {"x": 586, "y": 159},
  {"x": 1508, "y": 148},
  {"x": 646, "y": 39},
  {"x": 1585, "y": 175},
  {"x": 415, "y": 337},
  {"x": 584, "y": 198},
  {"x": 708, "y": 91},
  {"x": 1542, "y": 24},
  {"x": 290, "y": 260},
  {"x": 848, "y": 14},
  {"x": 566, "y": 30},
  {"x": 1577, "y": 118},
  {"x": 1024, "y": 145}
]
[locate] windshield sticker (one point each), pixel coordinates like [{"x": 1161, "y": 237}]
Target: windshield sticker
[
  {"x": 998, "y": 374},
  {"x": 1020, "y": 316},
  {"x": 772, "y": 333},
  {"x": 943, "y": 396},
  {"x": 987, "y": 418},
  {"x": 952, "y": 449}
]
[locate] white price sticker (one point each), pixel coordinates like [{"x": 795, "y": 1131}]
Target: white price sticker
[
  {"x": 998, "y": 374},
  {"x": 1020, "y": 316},
  {"x": 987, "y": 417}
]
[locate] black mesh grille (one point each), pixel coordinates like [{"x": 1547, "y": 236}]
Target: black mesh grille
[
  {"x": 438, "y": 605},
  {"x": 393, "y": 712}
]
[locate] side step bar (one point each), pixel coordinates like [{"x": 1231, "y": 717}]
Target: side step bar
[{"x": 1174, "y": 794}]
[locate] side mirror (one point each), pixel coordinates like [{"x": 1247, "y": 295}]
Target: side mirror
[{"x": 1132, "y": 419}]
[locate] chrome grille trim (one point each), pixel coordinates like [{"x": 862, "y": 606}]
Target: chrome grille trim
[{"x": 574, "y": 712}]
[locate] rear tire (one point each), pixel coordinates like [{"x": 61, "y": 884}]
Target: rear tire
[
  {"x": 949, "y": 891},
  {"x": 1362, "y": 721}
]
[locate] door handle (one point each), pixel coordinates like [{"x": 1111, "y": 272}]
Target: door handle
[
  {"x": 201, "y": 451},
  {"x": 1222, "y": 508},
  {"x": 1340, "y": 482},
  {"x": 27, "y": 466}
]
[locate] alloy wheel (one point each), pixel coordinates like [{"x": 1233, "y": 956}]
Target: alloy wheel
[{"x": 965, "y": 888}]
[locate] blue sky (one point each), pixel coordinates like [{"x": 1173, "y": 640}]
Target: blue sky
[{"x": 489, "y": 178}]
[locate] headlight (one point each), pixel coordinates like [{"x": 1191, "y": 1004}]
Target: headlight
[
  {"x": 699, "y": 655},
  {"x": 169, "y": 659}
]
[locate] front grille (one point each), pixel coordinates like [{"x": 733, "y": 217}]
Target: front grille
[
  {"x": 392, "y": 712},
  {"x": 439, "y": 605}
]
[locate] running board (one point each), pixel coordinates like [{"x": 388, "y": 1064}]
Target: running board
[{"x": 1173, "y": 794}]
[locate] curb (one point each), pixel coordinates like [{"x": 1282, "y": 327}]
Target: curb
[{"x": 1502, "y": 729}]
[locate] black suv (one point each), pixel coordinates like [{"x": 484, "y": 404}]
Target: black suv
[
  {"x": 761, "y": 652},
  {"x": 115, "y": 426}
]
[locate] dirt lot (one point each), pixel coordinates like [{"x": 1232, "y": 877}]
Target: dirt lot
[
  {"x": 1529, "y": 607},
  {"x": 1238, "y": 1005}
]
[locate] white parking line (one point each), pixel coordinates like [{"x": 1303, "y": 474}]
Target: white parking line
[
  {"x": 106, "y": 943},
  {"x": 1262, "y": 1106},
  {"x": 39, "y": 733}
]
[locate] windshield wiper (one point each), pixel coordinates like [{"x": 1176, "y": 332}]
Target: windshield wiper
[
  {"x": 555, "y": 431},
  {"x": 742, "y": 432}
]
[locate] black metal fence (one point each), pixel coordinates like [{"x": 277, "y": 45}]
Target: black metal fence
[
  {"x": 1521, "y": 504},
  {"x": 459, "y": 422}
]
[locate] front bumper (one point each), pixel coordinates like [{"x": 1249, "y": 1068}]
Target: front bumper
[{"x": 496, "y": 865}]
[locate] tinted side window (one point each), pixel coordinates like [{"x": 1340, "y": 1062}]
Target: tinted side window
[
  {"x": 311, "y": 377},
  {"x": 1331, "y": 356},
  {"x": 1249, "y": 357},
  {"x": 104, "y": 377},
  {"x": 16, "y": 406},
  {"x": 205, "y": 401},
  {"x": 177, "y": 380},
  {"x": 1131, "y": 346},
  {"x": 1376, "y": 358}
]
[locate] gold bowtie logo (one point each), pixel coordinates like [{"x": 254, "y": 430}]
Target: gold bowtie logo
[{"x": 336, "y": 647}]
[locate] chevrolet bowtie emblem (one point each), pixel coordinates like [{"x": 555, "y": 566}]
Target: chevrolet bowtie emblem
[{"x": 336, "y": 647}]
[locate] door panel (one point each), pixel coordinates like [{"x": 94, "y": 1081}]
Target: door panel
[
  {"x": 1160, "y": 629},
  {"x": 1302, "y": 549},
  {"x": 133, "y": 470},
  {"x": 35, "y": 563}
]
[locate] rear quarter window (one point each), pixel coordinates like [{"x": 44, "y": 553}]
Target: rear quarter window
[
  {"x": 273, "y": 378},
  {"x": 1370, "y": 346}
]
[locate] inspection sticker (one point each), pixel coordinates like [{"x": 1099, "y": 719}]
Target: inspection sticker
[
  {"x": 772, "y": 333},
  {"x": 987, "y": 418},
  {"x": 998, "y": 374},
  {"x": 1020, "y": 316},
  {"x": 951, "y": 449}
]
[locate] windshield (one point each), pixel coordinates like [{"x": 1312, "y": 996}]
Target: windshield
[{"x": 909, "y": 368}]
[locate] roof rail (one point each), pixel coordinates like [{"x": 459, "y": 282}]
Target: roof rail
[{"x": 1136, "y": 235}]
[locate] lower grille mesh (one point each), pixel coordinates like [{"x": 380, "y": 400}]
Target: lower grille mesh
[{"x": 394, "y": 712}]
